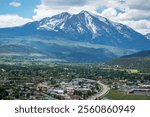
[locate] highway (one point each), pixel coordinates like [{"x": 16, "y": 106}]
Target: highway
[{"x": 104, "y": 90}]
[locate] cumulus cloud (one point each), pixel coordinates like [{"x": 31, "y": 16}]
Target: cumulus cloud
[
  {"x": 138, "y": 4},
  {"x": 15, "y": 4},
  {"x": 142, "y": 26},
  {"x": 12, "y": 20},
  {"x": 50, "y": 7},
  {"x": 43, "y": 11},
  {"x": 64, "y": 2},
  {"x": 109, "y": 12}
]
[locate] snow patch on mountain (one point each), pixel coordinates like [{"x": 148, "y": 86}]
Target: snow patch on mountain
[
  {"x": 89, "y": 23},
  {"x": 54, "y": 23},
  {"x": 148, "y": 36},
  {"x": 80, "y": 29}
]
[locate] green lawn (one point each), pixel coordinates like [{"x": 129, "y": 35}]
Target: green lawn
[{"x": 119, "y": 95}]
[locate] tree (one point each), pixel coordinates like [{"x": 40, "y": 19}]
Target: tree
[{"x": 3, "y": 93}]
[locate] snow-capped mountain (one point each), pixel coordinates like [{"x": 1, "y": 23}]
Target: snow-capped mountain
[
  {"x": 80, "y": 24},
  {"x": 83, "y": 36},
  {"x": 92, "y": 28},
  {"x": 86, "y": 27}
]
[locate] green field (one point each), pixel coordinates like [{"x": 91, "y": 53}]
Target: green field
[
  {"x": 120, "y": 95},
  {"x": 133, "y": 71}
]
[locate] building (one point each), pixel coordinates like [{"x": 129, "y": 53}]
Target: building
[
  {"x": 75, "y": 97},
  {"x": 139, "y": 91},
  {"x": 41, "y": 87}
]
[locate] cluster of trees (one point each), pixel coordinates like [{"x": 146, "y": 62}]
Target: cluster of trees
[{"x": 3, "y": 93}]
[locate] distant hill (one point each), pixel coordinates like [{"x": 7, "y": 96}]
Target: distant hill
[
  {"x": 137, "y": 60},
  {"x": 16, "y": 49},
  {"x": 138, "y": 54},
  {"x": 131, "y": 62}
]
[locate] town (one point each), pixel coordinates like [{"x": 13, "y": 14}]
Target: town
[
  {"x": 72, "y": 82},
  {"x": 76, "y": 89}
]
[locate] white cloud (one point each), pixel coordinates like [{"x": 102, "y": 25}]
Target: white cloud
[
  {"x": 142, "y": 26},
  {"x": 43, "y": 11},
  {"x": 64, "y": 2},
  {"x": 12, "y": 20},
  {"x": 138, "y": 4},
  {"x": 128, "y": 14},
  {"x": 15, "y": 4},
  {"x": 109, "y": 12},
  {"x": 52, "y": 7}
]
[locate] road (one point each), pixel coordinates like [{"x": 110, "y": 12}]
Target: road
[{"x": 103, "y": 91}]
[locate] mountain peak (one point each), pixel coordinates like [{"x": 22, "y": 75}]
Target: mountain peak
[
  {"x": 84, "y": 12},
  {"x": 65, "y": 14}
]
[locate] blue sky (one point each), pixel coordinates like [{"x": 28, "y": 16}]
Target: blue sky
[
  {"x": 26, "y": 8},
  {"x": 134, "y": 13}
]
